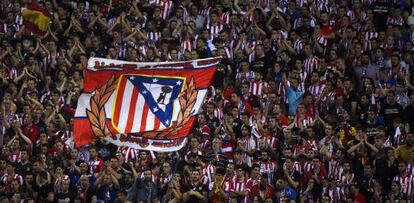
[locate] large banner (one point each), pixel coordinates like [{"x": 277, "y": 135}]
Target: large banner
[{"x": 149, "y": 106}]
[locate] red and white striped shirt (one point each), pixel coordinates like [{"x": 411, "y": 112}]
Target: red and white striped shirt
[
  {"x": 268, "y": 168},
  {"x": 395, "y": 21},
  {"x": 11, "y": 72},
  {"x": 258, "y": 88},
  {"x": 205, "y": 12},
  {"x": 215, "y": 29},
  {"x": 241, "y": 185},
  {"x": 398, "y": 138},
  {"x": 218, "y": 113},
  {"x": 343, "y": 179},
  {"x": 96, "y": 166},
  {"x": 298, "y": 46},
  {"x": 247, "y": 75},
  {"x": 3, "y": 28},
  {"x": 153, "y": 37},
  {"x": 281, "y": 92},
  {"x": 298, "y": 167},
  {"x": 306, "y": 121},
  {"x": 410, "y": 168},
  {"x": 368, "y": 36},
  {"x": 355, "y": 15},
  {"x": 334, "y": 168},
  {"x": 303, "y": 168},
  {"x": 187, "y": 45},
  {"x": 129, "y": 153},
  {"x": 407, "y": 183},
  {"x": 252, "y": 45},
  {"x": 322, "y": 41},
  {"x": 272, "y": 142},
  {"x": 15, "y": 157},
  {"x": 166, "y": 7},
  {"x": 199, "y": 153},
  {"x": 316, "y": 89},
  {"x": 335, "y": 193},
  {"x": 225, "y": 18},
  {"x": 310, "y": 64},
  {"x": 16, "y": 176},
  {"x": 208, "y": 172}
]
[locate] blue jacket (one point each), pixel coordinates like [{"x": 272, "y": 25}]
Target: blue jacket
[{"x": 294, "y": 98}]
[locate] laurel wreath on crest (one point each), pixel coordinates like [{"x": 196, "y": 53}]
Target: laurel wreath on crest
[{"x": 96, "y": 114}]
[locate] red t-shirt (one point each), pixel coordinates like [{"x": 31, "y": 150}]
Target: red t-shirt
[
  {"x": 326, "y": 30},
  {"x": 359, "y": 198},
  {"x": 31, "y": 132},
  {"x": 283, "y": 120}
]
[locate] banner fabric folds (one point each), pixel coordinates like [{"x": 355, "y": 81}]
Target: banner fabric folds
[{"x": 150, "y": 106}]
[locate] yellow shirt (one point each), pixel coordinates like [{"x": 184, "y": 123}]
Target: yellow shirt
[{"x": 403, "y": 152}]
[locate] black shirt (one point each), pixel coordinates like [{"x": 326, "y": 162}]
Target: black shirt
[
  {"x": 24, "y": 169},
  {"x": 390, "y": 112},
  {"x": 68, "y": 197},
  {"x": 198, "y": 187},
  {"x": 43, "y": 191},
  {"x": 106, "y": 150},
  {"x": 380, "y": 10},
  {"x": 262, "y": 64},
  {"x": 88, "y": 194},
  {"x": 407, "y": 115}
]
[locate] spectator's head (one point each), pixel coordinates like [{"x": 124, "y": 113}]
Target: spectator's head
[
  {"x": 240, "y": 171},
  {"x": 255, "y": 173},
  {"x": 245, "y": 131},
  {"x": 391, "y": 97},
  {"x": 395, "y": 187},
  {"x": 217, "y": 143},
  {"x": 201, "y": 43},
  {"x": 194, "y": 175},
  {"x": 84, "y": 181},
  {"x": 194, "y": 143},
  {"x": 10, "y": 168},
  {"x": 123, "y": 196},
  {"x": 289, "y": 161},
  {"x": 281, "y": 183},
  {"x": 28, "y": 178},
  {"x": 354, "y": 189},
  {"x": 230, "y": 168},
  {"x": 395, "y": 60},
  {"x": 114, "y": 163},
  {"x": 326, "y": 198},
  {"x": 93, "y": 153},
  {"x": 74, "y": 153},
  {"x": 194, "y": 54},
  {"x": 409, "y": 139},
  {"x": 83, "y": 167},
  {"x": 16, "y": 144},
  {"x": 143, "y": 155}
]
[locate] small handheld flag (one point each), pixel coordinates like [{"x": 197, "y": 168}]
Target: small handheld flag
[{"x": 36, "y": 19}]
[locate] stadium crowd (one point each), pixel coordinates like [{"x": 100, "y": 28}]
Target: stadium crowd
[{"x": 312, "y": 102}]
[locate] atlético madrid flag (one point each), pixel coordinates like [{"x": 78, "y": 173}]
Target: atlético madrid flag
[
  {"x": 36, "y": 19},
  {"x": 149, "y": 106}
]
